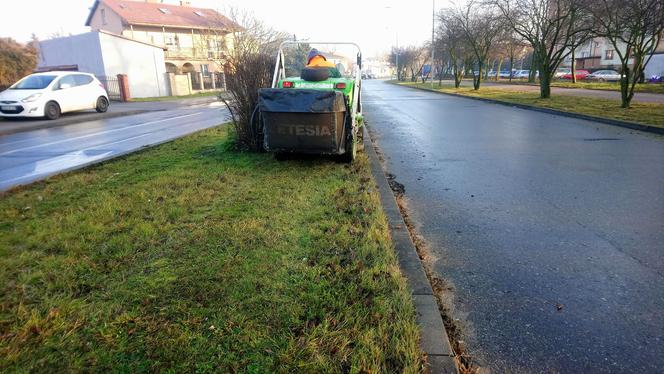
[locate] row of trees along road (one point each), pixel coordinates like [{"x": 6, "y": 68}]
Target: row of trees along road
[
  {"x": 468, "y": 35},
  {"x": 16, "y": 61},
  {"x": 410, "y": 61}
]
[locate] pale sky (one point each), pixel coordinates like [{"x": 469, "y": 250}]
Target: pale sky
[{"x": 372, "y": 24}]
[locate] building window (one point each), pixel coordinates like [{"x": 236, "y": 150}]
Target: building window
[
  {"x": 164, "y": 10},
  {"x": 609, "y": 54},
  {"x": 172, "y": 40},
  {"x": 205, "y": 70},
  {"x": 103, "y": 16}
]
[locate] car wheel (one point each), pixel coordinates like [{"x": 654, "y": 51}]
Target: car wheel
[
  {"x": 52, "y": 110},
  {"x": 102, "y": 105},
  {"x": 602, "y": 80}
]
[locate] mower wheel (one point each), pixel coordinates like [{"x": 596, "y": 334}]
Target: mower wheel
[
  {"x": 315, "y": 74},
  {"x": 350, "y": 148},
  {"x": 360, "y": 139}
]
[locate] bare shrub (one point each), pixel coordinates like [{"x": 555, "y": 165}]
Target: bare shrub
[
  {"x": 243, "y": 79},
  {"x": 249, "y": 67}
]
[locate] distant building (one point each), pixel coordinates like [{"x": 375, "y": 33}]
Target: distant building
[
  {"x": 595, "y": 54},
  {"x": 656, "y": 64},
  {"x": 195, "y": 39},
  {"x": 600, "y": 54},
  {"x": 106, "y": 55}
]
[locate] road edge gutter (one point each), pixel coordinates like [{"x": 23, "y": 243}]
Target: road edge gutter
[
  {"x": 434, "y": 340},
  {"x": 607, "y": 121},
  {"x": 71, "y": 121},
  {"x": 102, "y": 160}
]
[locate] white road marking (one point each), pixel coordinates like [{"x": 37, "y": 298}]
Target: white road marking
[{"x": 99, "y": 133}]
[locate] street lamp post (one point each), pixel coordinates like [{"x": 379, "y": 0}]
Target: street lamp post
[
  {"x": 397, "y": 56},
  {"x": 397, "y": 48},
  {"x": 433, "y": 40}
]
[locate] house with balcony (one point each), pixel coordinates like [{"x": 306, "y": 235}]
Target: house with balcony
[
  {"x": 595, "y": 54},
  {"x": 195, "y": 40}
]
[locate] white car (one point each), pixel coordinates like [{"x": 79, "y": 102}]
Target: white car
[
  {"x": 562, "y": 71},
  {"x": 604, "y": 76},
  {"x": 523, "y": 74},
  {"x": 53, "y": 93}
]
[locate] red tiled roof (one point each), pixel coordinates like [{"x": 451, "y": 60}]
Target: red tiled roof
[{"x": 158, "y": 14}]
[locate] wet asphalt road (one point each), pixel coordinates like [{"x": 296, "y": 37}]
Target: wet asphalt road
[
  {"x": 30, "y": 156},
  {"x": 549, "y": 229}
]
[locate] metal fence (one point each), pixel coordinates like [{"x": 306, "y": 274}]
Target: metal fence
[
  {"x": 207, "y": 82},
  {"x": 219, "y": 81},
  {"x": 112, "y": 86},
  {"x": 196, "y": 83}
]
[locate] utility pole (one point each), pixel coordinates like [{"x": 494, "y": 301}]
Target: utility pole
[
  {"x": 433, "y": 40},
  {"x": 397, "y": 51}
]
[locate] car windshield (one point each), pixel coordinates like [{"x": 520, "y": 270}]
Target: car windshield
[{"x": 33, "y": 82}]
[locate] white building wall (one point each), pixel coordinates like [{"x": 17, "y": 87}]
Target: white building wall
[
  {"x": 106, "y": 19},
  {"x": 83, "y": 50},
  {"x": 103, "y": 54},
  {"x": 143, "y": 64},
  {"x": 655, "y": 66}
]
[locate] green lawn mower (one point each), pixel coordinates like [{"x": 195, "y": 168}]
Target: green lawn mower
[{"x": 313, "y": 110}]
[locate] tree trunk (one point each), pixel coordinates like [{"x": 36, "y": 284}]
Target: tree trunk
[
  {"x": 500, "y": 65},
  {"x": 457, "y": 74},
  {"x": 478, "y": 79},
  {"x": 545, "y": 87},
  {"x": 624, "y": 88},
  {"x": 531, "y": 75},
  {"x": 545, "y": 82},
  {"x": 573, "y": 66},
  {"x": 511, "y": 66}
]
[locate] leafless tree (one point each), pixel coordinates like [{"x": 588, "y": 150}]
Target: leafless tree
[
  {"x": 16, "y": 61},
  {"x": 552, "y": 27},
  {"x": 482, "y": 26},
  {"x": 634, "y": 28},
  {"x": 411, "y": 60},
  {"x": 454, "y": 42},
  {"x": 515, "y": 48},
  {"x": 249, "y": 66},
  {"x": 398, "y": 58}
]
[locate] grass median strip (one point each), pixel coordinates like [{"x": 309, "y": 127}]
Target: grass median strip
[
  {"x": 194, "y": 257},
  {"x": 644, "y": 113},
  {"x": 657, "y": 88},
  {"x": 167, "y": 98}
]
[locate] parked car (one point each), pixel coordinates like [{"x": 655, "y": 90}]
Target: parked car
[
  {"x": 506, "y": 74},
  {"x": 562, "y": 71},
  {"x": 524, "y": 74},
  {"x": 656, "y": 79},
  {"x": 580, "y": 75},
  {"x": 604, "y": 76},
  {"x": 521, "y": 74},
  {"x": 53, "y": 93}
]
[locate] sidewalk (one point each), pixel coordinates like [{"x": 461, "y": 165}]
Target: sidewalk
[
  {"x": 641, "y": 97},
  {"x": 116, "y": 109}
]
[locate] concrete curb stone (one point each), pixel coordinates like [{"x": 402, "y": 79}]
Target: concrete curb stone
[{"x": 433, "y": 337}]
